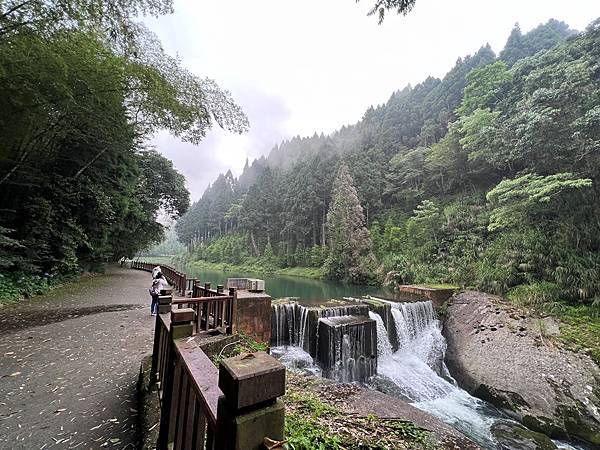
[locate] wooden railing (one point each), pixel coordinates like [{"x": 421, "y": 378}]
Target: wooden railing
[
  {"x": 195, "y": 412},
  {"x": 174, "y": 277},
  {"x": 188, "y": 390},
  {"x": 216, "y": 311}
]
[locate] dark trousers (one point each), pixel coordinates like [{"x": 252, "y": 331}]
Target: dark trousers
[{"x": 154, "y": 305}]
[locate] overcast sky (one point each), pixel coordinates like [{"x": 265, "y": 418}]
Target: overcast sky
[{"x": 305, "y": 66}]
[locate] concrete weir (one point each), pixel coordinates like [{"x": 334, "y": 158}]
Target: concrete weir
[
  {"x": 347, "y": 348},
  {"x": 295, "y": 324}
]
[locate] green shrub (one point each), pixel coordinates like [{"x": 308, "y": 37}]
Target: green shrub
[
  {"x": 16, "y": 286},
  {"x": 542, "y": 296}
]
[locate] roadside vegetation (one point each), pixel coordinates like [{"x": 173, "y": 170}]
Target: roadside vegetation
[{"x": 313, "y": 423}]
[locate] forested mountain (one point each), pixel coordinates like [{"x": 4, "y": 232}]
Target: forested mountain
[{"x": 488, "y": 177}]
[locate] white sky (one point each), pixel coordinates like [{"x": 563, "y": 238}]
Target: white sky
[{"x": 305, "y": 66}]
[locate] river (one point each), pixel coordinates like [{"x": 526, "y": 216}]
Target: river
[{"x": 308, "y": 290}]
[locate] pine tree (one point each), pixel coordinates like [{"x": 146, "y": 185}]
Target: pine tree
[
  {"x": 515, "y": 48},
  {"x": 350, "y": 246}
]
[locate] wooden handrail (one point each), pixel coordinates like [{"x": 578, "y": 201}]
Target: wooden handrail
[
  {"x": 204, "y": 376},
  {"x": 185, "y": 301},
  {"x": 200, "y": 403}
]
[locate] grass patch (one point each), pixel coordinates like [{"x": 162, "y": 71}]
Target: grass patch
[
  {"x": 313, "y": 424},
  {"x": 580, "y": 330},
  {"x": 579, "y": 325},
  {"x": 440, "y": 286},
  {"x": 244, "y": 344}
]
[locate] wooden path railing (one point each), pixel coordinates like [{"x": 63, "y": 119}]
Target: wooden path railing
[
  {"x": 214, "y": 309},
  {"x": 217, "y": 312},
  {"x": 202, "y": 407},
  {"x": 174, "y": 277}
]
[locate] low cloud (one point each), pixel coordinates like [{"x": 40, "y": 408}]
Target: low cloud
[{"x": 220, "y": 150}]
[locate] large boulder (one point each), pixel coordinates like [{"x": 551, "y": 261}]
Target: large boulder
[{"x": 502, "y": 355}]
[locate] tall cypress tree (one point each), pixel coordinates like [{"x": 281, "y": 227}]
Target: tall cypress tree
[
  {"x": 515, "y": 47},
  {"x": 350, "y": 245}
]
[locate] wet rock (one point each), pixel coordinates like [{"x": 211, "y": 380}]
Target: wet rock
[
  {"x": 511, "y": 436},
  {"x": 359, "y": 400},
  {"x": 548, "y": 388}
]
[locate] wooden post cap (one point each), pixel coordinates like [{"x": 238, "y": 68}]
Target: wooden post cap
[
  {"x": 250, "y": 379},
  {"x": 165, "y": 299},
  {"x": 183, "y": 315}
]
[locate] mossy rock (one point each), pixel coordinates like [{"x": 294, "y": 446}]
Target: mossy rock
[
  {"x": 577, "y": 423},
  {"x": 512, "y": 436}
]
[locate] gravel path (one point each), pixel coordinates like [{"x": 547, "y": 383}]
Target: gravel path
[{"x": 69, "y": 363}]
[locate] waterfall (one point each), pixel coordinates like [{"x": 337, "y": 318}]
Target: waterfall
[
  {"x": 283, "y": 323},
  {"x": 416, "y": 367},
  {"x": 384, "y": 347},
  {"x": 291, "y": 324},
  {"x": 347, "y": 348},
  {"x": 419, "y": 330}
]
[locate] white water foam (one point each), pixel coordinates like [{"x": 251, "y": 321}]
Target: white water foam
[
  {"x": 294, "y": 357},
  {"x": 416, "y": 370},
  {"x": 384, "y": 347}
]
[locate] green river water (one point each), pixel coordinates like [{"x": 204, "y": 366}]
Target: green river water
[{"x": 277, "y": 286}]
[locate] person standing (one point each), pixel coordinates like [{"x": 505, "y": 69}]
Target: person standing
[{"x": 158, "y": 283}]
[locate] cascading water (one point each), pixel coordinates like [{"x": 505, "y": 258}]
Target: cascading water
[
  {"x": 347, "y": 349},
  {"x": 418, "y": 371},
  {"x": 292, "y": 325},
  {"x": 384, "y": 347}
]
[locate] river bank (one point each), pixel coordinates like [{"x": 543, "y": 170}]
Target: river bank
[{"x": 525, "y": 365}]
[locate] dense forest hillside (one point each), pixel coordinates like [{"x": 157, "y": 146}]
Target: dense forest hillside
[
  {"x": 487, "y": 177},
  {"x": 84, "y": 85}
]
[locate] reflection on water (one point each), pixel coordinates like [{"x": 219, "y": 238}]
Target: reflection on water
[{"x": 278, "y": 286}]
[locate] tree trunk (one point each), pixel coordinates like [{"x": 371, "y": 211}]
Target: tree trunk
[
  {"x": 323, "y": 241},
  {"x": 256, "y": 251}
]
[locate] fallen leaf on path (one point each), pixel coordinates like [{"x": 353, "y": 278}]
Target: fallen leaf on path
[{"x": 14, "y": 374}]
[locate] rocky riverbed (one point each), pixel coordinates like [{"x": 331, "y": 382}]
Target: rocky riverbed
[{"x": 515, "y": 361}]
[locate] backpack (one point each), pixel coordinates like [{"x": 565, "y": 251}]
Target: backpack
[{"x": 154, "y": 289}]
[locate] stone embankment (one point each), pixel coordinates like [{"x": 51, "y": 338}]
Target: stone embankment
[{"x": 513, "y": 360}]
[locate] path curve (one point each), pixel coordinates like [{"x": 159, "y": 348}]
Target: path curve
[{"x": 69, "y": 363}]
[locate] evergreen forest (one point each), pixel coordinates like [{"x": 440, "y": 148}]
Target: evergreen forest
[{"x": 487, "y": 178}]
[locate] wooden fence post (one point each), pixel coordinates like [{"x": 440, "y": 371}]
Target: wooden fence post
[
  {"x": 155, "y": 349},
  {"x": 233, "y": 313},
  {"x": 249, "y": 409}
]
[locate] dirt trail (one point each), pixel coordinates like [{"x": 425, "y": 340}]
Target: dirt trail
[{"x": 69, "y": 363}]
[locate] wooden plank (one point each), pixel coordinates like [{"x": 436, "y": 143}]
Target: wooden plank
[
  {"x": 223, "y": 311},
  {"x": 190, "y": 421},
  {"x": 199, "y": 428},
  {"x": 176, "y": 398},
  {"x": 186, "y": 301},
  {"x": 204, "y": 377},
  {"x": 182, "y": 411}
]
